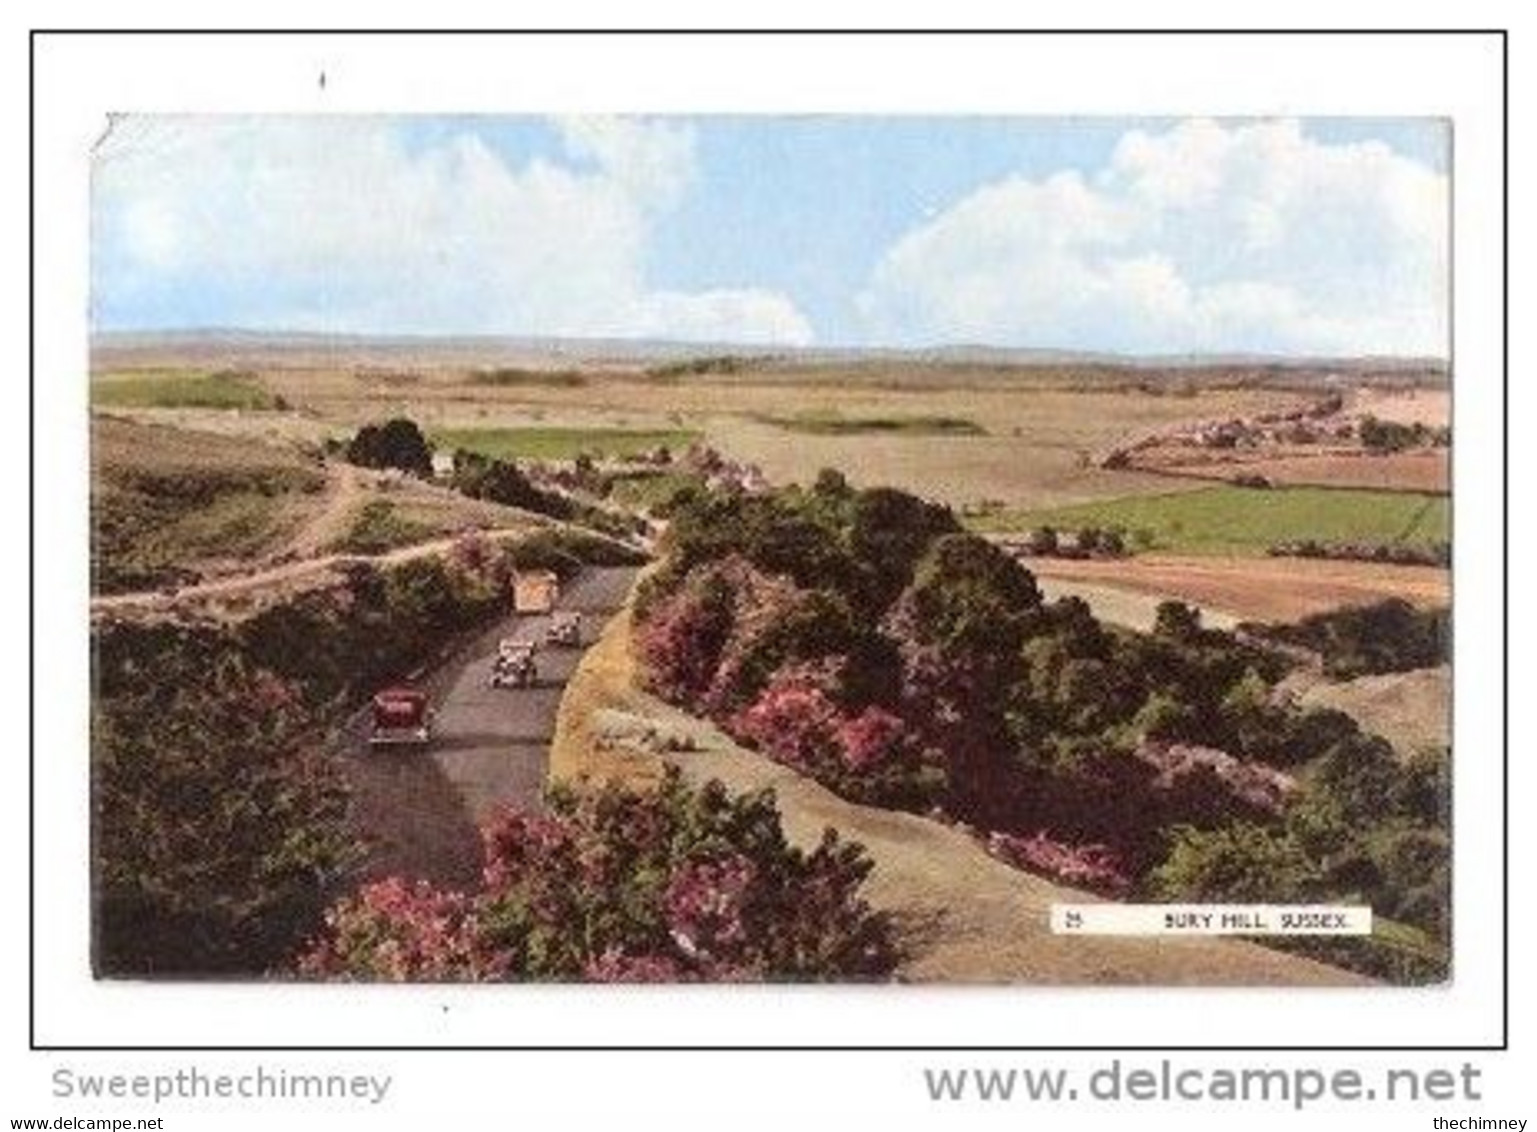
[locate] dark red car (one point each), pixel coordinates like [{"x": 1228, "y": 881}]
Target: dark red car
[{"x": 401, "y": 717}]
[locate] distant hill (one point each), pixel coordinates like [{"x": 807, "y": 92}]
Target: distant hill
[{"x": 216, "y": 346}]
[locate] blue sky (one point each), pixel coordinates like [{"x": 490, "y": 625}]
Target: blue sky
[{"x": 1138, "y": 235}]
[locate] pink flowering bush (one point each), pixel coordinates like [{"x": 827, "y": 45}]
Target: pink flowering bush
[
  {"x": 871, "y": 739},
  {"x": 1094, "y": 867},
  {"x": 615, "y": 886},
  {"x": 795, "y": 720},
  {"x": 714, "y": 642},
  {"x": 871, "y": 757},
  {"x": 680, "y": 640},
  {"x": 1191, "y": 769},
  {"x": 614, "y": 966},
  {"x": 705, "y": 905},
  {"x": 404, "y": 933}
]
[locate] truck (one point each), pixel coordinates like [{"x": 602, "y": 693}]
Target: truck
[
  {"x": 564, "y": 629},
  {"x": 514, "y": 665},
  {"x": 400, "y": 717}
]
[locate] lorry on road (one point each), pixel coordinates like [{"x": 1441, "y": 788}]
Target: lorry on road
[
  {"x": 514, "y": 665},
  {"x": 400, "y": 717},
  {"x": 534, "y": 591}
]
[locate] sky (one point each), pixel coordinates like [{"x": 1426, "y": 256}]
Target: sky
[{"x": 1131, "y": 235}]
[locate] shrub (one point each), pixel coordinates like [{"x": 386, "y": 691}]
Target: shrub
[
  {"x": 1388, "y": 636},
  {"x": 1177, "y": 621},
  {"x": 1400, "y": 553},
  {"x": 1237, "y": 864},
  {"x": 500, "y": 481},
  {"x": 795, "y": 720},
  {"x": 404, "y": 932},
  {"x": 774, "y": 625},
  {"x": 1390, "y": 436},
  {"x": 1043, "y": 541},
  {"x": 380, "y": 526},
  {"x": 566, "y": 551},
  {"x": 888, "y": 532},
  {"x": 217, "y": 827},
  {"x": 872, "y": 739},
  {"x": 1415, "y": 869},
  {"x": 668, "y": 885},
  {"x": 1250, "y": 480},
  {"x": 1094, "y": 867},
  {"x": 681, "y": 639}
]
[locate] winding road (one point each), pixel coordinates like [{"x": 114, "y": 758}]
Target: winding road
[{"x": 419, "y": 811}]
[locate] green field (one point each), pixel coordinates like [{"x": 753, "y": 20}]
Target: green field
[
  {"x": 1235, "y": 520},
  {"x": 174, "y": 389},
  {"x": 648, "y": 491},
  {"x": 560, "y": 443},
  {"x": 836, "y": 424}
]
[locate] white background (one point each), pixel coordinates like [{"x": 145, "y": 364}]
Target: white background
[{"x": 79, "y": 80}]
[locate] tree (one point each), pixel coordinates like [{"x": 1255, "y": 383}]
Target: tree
[
  {"x": 888, "y": 532},
  {"x": 1043, "y": 541},
  {"x": 959, "y": 627},
  {"x": 1389, "y": 436},
  {"x": 1163, "y": 717},
  {"x": 1112, "y": 543},
  {"x": 1177, "y": 621},
  {"x": 397, "y": 443},
  {"x": 1235, "y": 864},
  {"x": 832, "y": 483}
]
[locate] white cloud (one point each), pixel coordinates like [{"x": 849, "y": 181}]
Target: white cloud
[
  {"x": 1204, "y": 237},
  {"x": 340, "y": 224},
  {"x": 653, "y": 159}
]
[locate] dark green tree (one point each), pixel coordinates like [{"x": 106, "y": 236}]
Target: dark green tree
[{"x": 397, "y": 443}]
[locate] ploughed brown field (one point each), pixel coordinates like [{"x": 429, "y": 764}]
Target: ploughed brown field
[
  {"x": 1426, "y": 469},
  {"x": 1263, "y": 589}
]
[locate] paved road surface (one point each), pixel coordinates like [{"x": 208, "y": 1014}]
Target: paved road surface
[{"x": 420, "y": 809}]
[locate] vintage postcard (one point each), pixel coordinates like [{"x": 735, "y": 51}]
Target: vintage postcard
[{"x": 1004, "y": 550}]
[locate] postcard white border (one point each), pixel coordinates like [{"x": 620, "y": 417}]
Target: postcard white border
[{"x": 80, "y": 79}]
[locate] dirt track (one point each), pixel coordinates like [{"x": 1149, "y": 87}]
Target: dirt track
[
  {"x": 329, "y": 523},
  {"x": 278, "y": 577},
  {"x": 420, "y": 809}
]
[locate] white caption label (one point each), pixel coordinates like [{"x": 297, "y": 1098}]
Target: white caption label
[{"x": 1211, "y": 919}]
